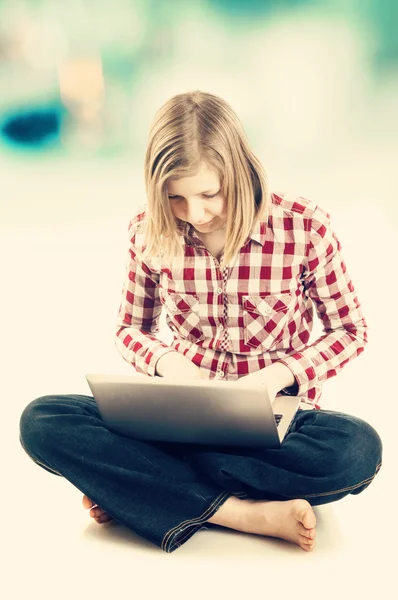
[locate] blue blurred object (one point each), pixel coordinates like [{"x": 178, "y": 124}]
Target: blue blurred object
[{"x": 33, "y": 127}]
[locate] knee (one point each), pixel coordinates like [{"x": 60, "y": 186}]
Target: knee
[
  {"x": 363, "y": 448},
  {"x": 32, "y": 423},
  {"x": 348, "y": 444},
  {"x": 370, "y": 442}
]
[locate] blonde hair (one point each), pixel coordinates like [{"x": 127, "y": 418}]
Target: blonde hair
[{"x": 188, "y": 129}]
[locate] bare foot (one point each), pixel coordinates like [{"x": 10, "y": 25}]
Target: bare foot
[
  {"x": 96, "y": 511},
  {"x": 291, "y": 520}
]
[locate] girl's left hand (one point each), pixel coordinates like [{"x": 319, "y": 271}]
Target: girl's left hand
[{"x": 276, "y": 377}]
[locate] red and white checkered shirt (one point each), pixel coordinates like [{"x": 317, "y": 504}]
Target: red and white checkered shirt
[{"x": 256, "y": 311}]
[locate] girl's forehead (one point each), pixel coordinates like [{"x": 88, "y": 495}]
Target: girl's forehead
[{"x": 206, "y": 180}]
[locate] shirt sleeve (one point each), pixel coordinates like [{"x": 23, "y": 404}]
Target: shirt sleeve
[
  {"x": 328, "y": 284},
  {"x": 139, "y": 312}
]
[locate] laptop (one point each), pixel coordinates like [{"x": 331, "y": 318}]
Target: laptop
[{"x": 212, "y": 412}]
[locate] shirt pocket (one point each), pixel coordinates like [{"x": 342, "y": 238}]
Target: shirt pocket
[
  {"x": 265, "y": 318},
  {"x": 183, "y": 312}
]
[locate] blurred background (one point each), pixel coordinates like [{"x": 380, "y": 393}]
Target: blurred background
[{"x": 315, "y": 84}]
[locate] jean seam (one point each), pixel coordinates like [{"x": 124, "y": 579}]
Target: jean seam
[
  {"x": 181, "y": 537},
  {"x": 45, "y": 466},
  {"x": 35, "y": 460},
  {"x": 168, "y": 543},
  {"x": 351, "y": 487},
  {"x": 189, "y": 532}
]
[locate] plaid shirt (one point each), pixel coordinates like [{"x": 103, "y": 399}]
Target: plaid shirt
[{"x": 256, "y": 311}]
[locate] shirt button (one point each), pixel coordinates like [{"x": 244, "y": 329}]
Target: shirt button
[
  {"x": 219, "y": 290},
  {"x": 268, "y": 309},
  {"x": 220, "y": 327},
  {"x": 221, "y": 373}
]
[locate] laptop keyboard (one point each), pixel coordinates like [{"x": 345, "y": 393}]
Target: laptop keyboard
[{"x": 278, "y": 418}]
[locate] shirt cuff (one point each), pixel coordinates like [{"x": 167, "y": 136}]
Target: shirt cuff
[
  {"x": 148, "y": 367},
  {"x": 304, "y": 374}
]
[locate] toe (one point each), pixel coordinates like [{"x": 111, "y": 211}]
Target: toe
[
  {"x": 97, "y": 511},
  {"x": 308, "y": 533},
  {"x": 307, "y": 517},
  {"x": 104, "y": 518},
  {"x": 306, "y": 544},
  {"x": 87, "y": 503},
  {"x": 312, "y": 545},
  {"x": 100, "y": 515}
]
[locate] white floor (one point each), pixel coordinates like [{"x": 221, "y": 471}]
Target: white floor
[{"x": 63, "y": 248}]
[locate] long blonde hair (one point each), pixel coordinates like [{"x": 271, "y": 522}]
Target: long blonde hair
[{"x": 189, "y": 129}]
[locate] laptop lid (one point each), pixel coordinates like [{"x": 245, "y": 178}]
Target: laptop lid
[{"x": 201, "y": 411}]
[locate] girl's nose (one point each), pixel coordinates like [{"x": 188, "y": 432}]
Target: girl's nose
[{"x": 195, "y": 215}]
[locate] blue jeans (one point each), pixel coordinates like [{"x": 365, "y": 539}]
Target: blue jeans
[{"x": 165, "y": 492}]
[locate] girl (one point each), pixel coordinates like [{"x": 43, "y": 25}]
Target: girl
[{"x": 238, "y": 270}]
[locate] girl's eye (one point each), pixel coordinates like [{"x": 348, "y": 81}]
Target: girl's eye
[{"x": 178, "y": 198}]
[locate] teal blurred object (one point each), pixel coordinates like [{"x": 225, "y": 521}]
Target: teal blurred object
[
  {"x": 383, "y": 17},
  {"x": 253, "y": 8},
  {"x": 33, "y": 127}
]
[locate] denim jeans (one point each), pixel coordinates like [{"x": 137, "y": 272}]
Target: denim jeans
[{"x": 165, "y": 492}]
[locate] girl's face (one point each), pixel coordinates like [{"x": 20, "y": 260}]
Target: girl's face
[{"x": 198, "y": 200}]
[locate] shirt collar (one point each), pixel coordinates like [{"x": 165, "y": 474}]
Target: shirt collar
[{"x": 258, "y": 233}]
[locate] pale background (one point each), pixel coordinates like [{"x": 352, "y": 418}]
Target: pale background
[{"x": 316, "y": 90}]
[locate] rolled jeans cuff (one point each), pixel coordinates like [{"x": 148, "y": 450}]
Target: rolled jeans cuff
[{"x": 178, "y": 535}]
